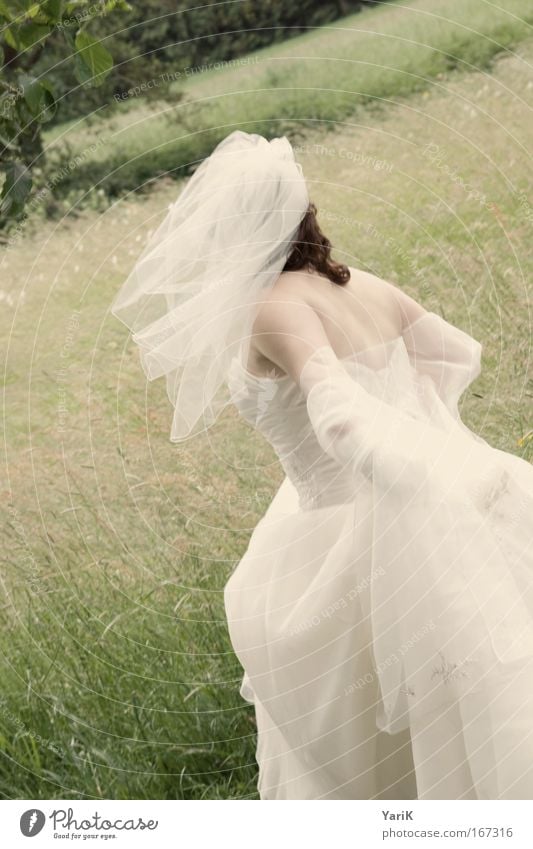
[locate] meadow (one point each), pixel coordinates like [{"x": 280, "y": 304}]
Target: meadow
[
  {"x": 366, "y": 61},
  {"x": 118, "y": 679}
]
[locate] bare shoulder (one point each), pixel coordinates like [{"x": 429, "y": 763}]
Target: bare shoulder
[
  {"x": 286, "y": 329},
  {"x": 292, "y": 284},
  {"x": 283, "y": 308},
  {"x": 291, "y": 290},
  {"x": 409, "y": 309}
]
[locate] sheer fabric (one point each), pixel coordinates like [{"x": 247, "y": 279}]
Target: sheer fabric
[
  {"x": 383, "y": 612},
  {"x": 192, "y": 295}
]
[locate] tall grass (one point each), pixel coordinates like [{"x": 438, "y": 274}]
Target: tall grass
[{"x": 118, "y": 680}]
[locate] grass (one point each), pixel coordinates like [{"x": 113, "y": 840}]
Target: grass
[
  {"x": 372, "y": 58},
  {"x": 118, "y": 677}
]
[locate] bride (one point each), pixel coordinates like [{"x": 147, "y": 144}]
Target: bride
[{"x": 383, "y": 610}]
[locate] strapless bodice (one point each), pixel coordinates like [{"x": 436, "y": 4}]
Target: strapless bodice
[{"x": 277, "y": 408}]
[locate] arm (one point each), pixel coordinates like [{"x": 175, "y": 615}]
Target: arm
[
  {"x": 358, "y": 429},
  {"x": 446, "y": 355},
  {"x": 437, "y": 349}
]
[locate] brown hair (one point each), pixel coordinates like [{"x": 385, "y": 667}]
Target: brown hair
[{"x": 312, "y": 250}]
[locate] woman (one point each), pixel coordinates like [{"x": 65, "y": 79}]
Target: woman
[{"x": 383, "y": 611}]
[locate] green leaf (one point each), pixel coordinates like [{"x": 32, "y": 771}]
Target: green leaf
[
  {"x": 16, "y": 188},
  {"x": 93, "y": 61},
  {"x": 49, "y": 103},
  {"x": 21, "y": 37},
  {"x": 31, "y": 92},
  {"x": 121, "y": 5},
  {"x": 5, "y": 12},
  {"x": 69, "y": 38},
  {"x": 19, "y": 9},
  {"x": 39, "y": 97},
  {"x": 53, "y": 9},
  {"x": 96, "y": 10},
  {"x": 10, "y": 37},
  {"x": 7, "y": 143},
  {"x": 70, "y": 9}
]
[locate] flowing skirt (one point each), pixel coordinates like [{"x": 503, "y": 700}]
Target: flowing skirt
[{"x": 387, "y": 642}]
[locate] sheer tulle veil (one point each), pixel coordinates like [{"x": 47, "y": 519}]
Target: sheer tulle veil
[{"x": 191, "y": 297}]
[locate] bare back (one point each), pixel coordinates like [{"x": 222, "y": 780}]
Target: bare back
[{"x": 364, "y": 312}]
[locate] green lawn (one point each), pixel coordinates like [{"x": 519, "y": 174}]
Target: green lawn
[
  {"x": 368, "y": 59},
  {"x": 118, "y": 677}
]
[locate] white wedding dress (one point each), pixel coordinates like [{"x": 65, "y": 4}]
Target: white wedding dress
[{"x": 383, "y": 611}]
